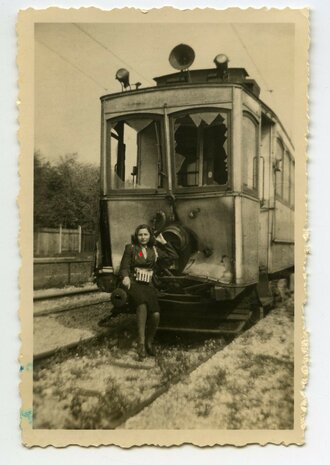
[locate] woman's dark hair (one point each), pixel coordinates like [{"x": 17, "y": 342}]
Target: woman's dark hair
[{"x": 152, "y": 240}]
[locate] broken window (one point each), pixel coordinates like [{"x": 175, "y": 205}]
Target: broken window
[
  {"x": 136, "y": 154},
  {"x": 200, "y": 145}
]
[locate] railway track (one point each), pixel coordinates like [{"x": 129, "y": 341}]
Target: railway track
[
  {"x": 58, "y": 294},
  {"x": 106, "y": 384},
  {"x": 80, "y": 365},
  {"x": 96, "y": 381},
  {"x": 63, "y": 320},
  {"x": 54, "y": 301}
]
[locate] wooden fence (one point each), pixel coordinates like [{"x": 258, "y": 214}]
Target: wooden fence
[{"x": 50, "y": 242}]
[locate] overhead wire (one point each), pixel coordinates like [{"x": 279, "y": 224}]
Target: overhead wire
[
  {"x": 250, "y": 56},
  {"x": 72, "y": 65},
  {"x": 110, "y": 51}
]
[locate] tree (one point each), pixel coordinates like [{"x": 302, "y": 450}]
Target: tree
[{"x": 65, "y": 193}]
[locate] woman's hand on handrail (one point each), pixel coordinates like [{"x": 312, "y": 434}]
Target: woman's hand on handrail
[{"x": 127, "y": 282}]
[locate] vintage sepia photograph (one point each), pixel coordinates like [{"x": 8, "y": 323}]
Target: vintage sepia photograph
[{"x": 166, "y": 169}]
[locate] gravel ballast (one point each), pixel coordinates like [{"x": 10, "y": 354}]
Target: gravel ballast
[
  {"x": 97, "y": 384},
  {"x": 248, "y": 385}
]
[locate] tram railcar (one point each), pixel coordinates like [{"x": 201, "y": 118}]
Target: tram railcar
[{"x": 204, "y": 161}]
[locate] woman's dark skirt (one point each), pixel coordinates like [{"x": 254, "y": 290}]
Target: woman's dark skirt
[{"x": 143, "y": 294}]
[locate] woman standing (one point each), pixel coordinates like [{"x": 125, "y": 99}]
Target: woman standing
[{"x": 136, "y": 269}]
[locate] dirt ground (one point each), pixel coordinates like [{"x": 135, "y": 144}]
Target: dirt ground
[
  {"x": 247, "y": 384},
  {"x": 97, "y": 384}
]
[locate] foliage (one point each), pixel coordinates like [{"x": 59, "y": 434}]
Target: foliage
[{"x": 65, "y": 192}]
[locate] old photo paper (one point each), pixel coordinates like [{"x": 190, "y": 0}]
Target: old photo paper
[{"x": 188, "y": 328}]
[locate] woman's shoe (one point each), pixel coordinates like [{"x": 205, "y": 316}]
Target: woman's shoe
[
  {"x": 141, "y": 351},
  {"x": 151, "y": 349}
]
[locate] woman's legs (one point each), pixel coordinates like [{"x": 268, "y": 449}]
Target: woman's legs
[
  {"x": 152, "y": 325},
  {"x": 141, "y": 317},
  {"x": 147, "y": 316}
]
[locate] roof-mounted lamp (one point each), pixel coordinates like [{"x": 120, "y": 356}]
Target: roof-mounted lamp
[
  {"x": 221, "y": 62},
  {"x": 122, "y": 75}
]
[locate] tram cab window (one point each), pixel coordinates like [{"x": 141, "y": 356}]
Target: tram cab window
[
  {"x": 200, "y": 145},
  {"x": 136, "y": 154}
]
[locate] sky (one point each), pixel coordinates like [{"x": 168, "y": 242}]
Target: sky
[{"x": 76, "y": 63}]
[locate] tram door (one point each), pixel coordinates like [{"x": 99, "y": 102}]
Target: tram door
[{"x": 265, "y": 191}]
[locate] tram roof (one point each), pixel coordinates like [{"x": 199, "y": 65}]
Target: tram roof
[{"x": 172, "y": 81}]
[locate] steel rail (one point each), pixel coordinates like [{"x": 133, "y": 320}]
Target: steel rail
[{"x": 68, "y": 293}]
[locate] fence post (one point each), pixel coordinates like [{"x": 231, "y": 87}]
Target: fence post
[
  {"x": 79, "y": 239},
  {"x": 60, "y": 240}
]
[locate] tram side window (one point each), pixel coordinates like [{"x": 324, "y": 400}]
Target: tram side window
[
  {"x": 292, "y": 184},
  {"x": 279, "y": 154},
  {"x": 250, "y": 152},
  {"x": 136, "y": 156},
  {"x": 286, "y": 177},
  {"x": 284, "y": 174},
  {"x": 200, "y": 145}
]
